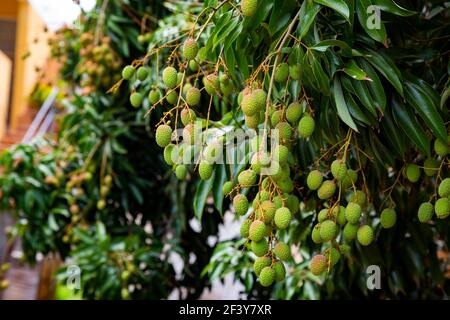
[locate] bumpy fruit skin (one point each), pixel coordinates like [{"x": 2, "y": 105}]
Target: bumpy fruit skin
[
  {"x": 240, "y": 204},
  {"x": 205, "y": 170},
  {"x": 172, "y": 97},
  {"x": 282, "y": 251},
  {"x": 282, "y": 218},
  {"x": 154, "y": 96},
  {"x": 250, "y": 105},
  {"x": 136, "y": 99},
  {"x": 280, "y": 153},
  {"x": 338, "y": 169},
  {"x": 306, "y": 126},
  {"x": 293, "y": 203},
  {"x": 276, "y": 117},
  {"x": 181, "y": 172},
  {"x": 170, "y": 77},
  {"x": 260, "y": 263},
  {"x": 249, "y": 7},
  {"x": 188, "y": 116},
  {"x": 163, "y": 135},
  {"x": 284, "y": 130},
  {"x": 261, "y": 97},
  {"x": 189, "y": 134},
  {"x": 252, "y": 121},
  {"x": 413, "y": 172},
  {"x": 314, "y": 180},
  {"x": 282, "y": 73},
  {"x": 349, "y": 232},
  {"x": 193, "y": 97},
  {"x": 280, "y": 271},
  {"x": 190, "y": 49},
  {"x": 442, "y": 208},
  {"x": 318, "y": 264},
  {"x": 326, "y": 190},
  {"x": 227, "y": 187},
  {"x": 294, "y": 113},
  {"x": 353, "y": 212},
  {"x": 365, "y": 235},
  {"x": 350, "y": 179},
  {"x": 333, "y": 255},
  {"x": 359, "y": 197},
  {"x": 328, "y": 230},
  {"x": 142, "y": 73},
  {"x": 211, "y": 83},
  {"x": 315, "y": 234},
  {"x": 257, "y": 231},
  {"x": 128, "y": 72},
  {"x": 260, "y": 248},
  {"x": 388, "y": 218},
  {"x": 245, "y": 227},
  {"x": 193, "y": 65},
  {"x": 444, "y": 188},
  {"x": 441, "y": 148},
  {"x": 267, "y": 276},
  {"x": 425, "y": 212},
  {"x": 247, "y": 178},
  {"x": 266, "y": 211},
  {"x": 430, "y": 167}
]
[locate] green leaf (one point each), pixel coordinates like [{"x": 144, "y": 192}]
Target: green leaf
[
  {"x": 375, "y": 86},
  {"x": 391, "y": 7},
  {"x": 393, "y": 135},
  {"x": 378, "y": 33},
  {"x": 364, "y": 96},
  {"x": 337, "y": 5},
  {"x": 308, "y": 13},
  {"x": 219, "y": 180},
  {"x": 201, "y": 194},
  {"x": 321, "y": 77},
  {"x": 354, "y": 71},
  {"x": 341, "y": 105},
  {"x": 445, "y": 96},
  {"x": 425, "y": 107},
  {"x": 322, "y": 46},
  {"x": 356, "y": 112}
]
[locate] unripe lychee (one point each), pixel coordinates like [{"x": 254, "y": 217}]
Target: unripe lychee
[
  {"x": 293, "y": 203},
  {"x": 349, "y": 232},
  {"x": 359, "y": 197},
  {"x": 260, "y": 248},
  {"x": 257, "y": 231},
  {"x": 136, "y": 99},
  {"x": 188, "y": 116},
  {"x": 339, "y": 215},
  {"x": 168, "y": 150},
  {"x": 170, "y": 77},
  {"x": 353, "y": 212},
  {"x": 441, "y": 147},
  {"x": 388, "y": 218},
  {"x": 172, "y": 97},
  {"x": 326, "y": 190},
  {"x": 314, "y": 180},
  {"x": 128, "y": 72},
  {"x": 328, "y": 230},
  {"x": 442, "y": 208},
  {"x": 252, "y": 121},
  {"x": 294, "y": 113},
  {"x": 190, "y": 49},
  {"x": 142, "y": 73},
  {"x": 332, "y": 255},
  {"x": 323, "y": 215},
  {"x": 413, "y": 172},
  {"x": 284, "y": 130},
  {"x": 154, "y": 96},
  {"x": 211, "y": 83},
  {"x": 249, "y": 105},
  {"x": 163, "y": 135},
  {"x": 189, "y": 134},
  {"x": 344, "y": 248},
  {"x": 338, "y": 169},
  {"x": 249, "y": 7},
  {"x": 286, "y": 185},
  {"x": 282, "y": 251},
  {"x": 430, "y": 167},
  {"x": 181, "y": 171},
  {"x": 193, "y": 65},
  {"x": 280, "y": 271},
  {"x": 277, "y": 117},
  {"x": 350, "y": 179},
  {"x": 260, "y": 263},
  {"x": 306, "y": 126},
  {"x": 282, "y": 73},
  {"x": 266, "y": 211},
  {"x": 193, "y": 97},
  {"x": 295, "y": 72},
  {"x": 425, "y": 212},
  {"x": 282, "y": 218},
  {"x": 259, "y": 161},
  {"x": 267, "y": 276},
  {"x": 245, "y": 227},
  {"x": 318, "y": 264},
  {"x": 365, "y": 235},
  {"x": 444, "y": 188},
  {"x": 247, "y": 178},
  {"x": 240, "y": 204},
  {"x": 205, "y": 170},
  {"x": 315, "y": 234},
  {"x": 227, "y": 187},
  {"x": 280, "y": 153}
]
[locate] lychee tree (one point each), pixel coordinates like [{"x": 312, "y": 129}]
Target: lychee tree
[{"x": 359, "y": 169}]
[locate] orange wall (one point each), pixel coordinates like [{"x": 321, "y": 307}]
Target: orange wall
[{"x": 8, "y": 8}]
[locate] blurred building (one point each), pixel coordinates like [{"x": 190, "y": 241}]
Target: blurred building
[{"x": 23, "y": 53}]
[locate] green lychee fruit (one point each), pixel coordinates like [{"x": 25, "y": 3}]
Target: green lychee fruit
[
  {"x": 172, "y": 97},
  {"x": 388, "y": 218},
  {"x": 154, "y": 96},
  {"x": 318, "y": 264},
  {"x": 425, "y": 212},
  {"x": 240, "y": 204},
  {"x": 142, "y": 73},
  {"x": 249, "y": 105},
  {"x": 136, "y": 99},
  {"x": 245, "y": 227},
  {"x": 306, "y": 126},
  {"x": 267, "y": 276},
  {"x": 163, "y": 135},
  {"x": 168, "y": 150},
  {"x": 227, "y": 187},
  {"x": 247, "y": 178},
  {"x": 430, "y": 167},
  {"x": 193, "y": 97},
  {"x": 188, "y": 116},
  {"x": 282, "y": 218},
  {"x": 190, "y": 49},
  {"x": 277, "y": 117},
  {"x": 441, "y": 147},
  {"x": 261, "y": 97},
  {"x": 266, "y": 211},
  {"x": 444, "y": 188},
  {"x": 170, "y": 77},
  {"x": 315, "y": 234},
  {"x": 314, "y": 180},
  {"x": 193, "y": 65},
  {"x": 181, "y": 171},
  {"x": 293, "y": 203},
  {"x": 282, "y": 251},
  {"x": 413, "y": 172},
  {"x": 257, "y": 230},
  {"x": 349, "y": 232},
  {"x": 338, "y": 169},
  {"x": 284, "y": 130},
  {"x": 365, "y": 235},
  {"x": 280, "y": 153},
  {"x": 282, "y": 73},
  {"x": 328, "y": 230},
  {"x": 249, "y": 7},
  {"x": 128, "y": 72},
  {"x": 294, "y": 113},
  {"x": 211, "y": 83},
  {"x": 332, "y": 255},
  {"x": 260, "y": 263},
  {"x": 353, "y": 212},
  {"x": 326, "y": 190},
  {"x": 189, "y": 134},
  {"x": 323, "y": 215},
  {"x": 260, "y": 248},
  {"x": 350, "y": 179},
  {"x": 280, "y": 271},
  {"x": 205, "y": 170},
  {"x": 344, "y": 248},
  {"x": 442, "y": 208},
  {"x": 252, "y": 121},
  {"x": 359, "y": 197}
]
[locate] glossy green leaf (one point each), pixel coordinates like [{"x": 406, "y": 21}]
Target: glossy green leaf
[
  {"x": 337, "y": 5},
  {"x": 369, "y": 20},
  {"x": 375, "y": 86},
  {"x": 308, "y": 12},
  {"x": 391, "y": 7},
  {"x": 354, "y": 71},
  {"x": 363, "y": 93},
  {"x": 341, "y": 106}
]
